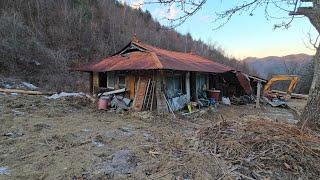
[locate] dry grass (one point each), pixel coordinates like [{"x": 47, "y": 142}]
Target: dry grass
[
  {"x": 68, "y": 138},
  {"x": 260, "y": 149}
]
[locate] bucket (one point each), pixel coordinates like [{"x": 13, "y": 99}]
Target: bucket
[
  {"x": 214, "y": 94},
  {"x": 102, "y": 103}
]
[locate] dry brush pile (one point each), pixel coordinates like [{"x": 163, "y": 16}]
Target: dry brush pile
[{"x": 263, "y": 149}]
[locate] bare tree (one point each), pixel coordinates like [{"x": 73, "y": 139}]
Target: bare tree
[{"x": 311, "y": 114}]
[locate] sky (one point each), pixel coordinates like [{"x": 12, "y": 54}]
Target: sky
[{"x": 244, "y": 35}]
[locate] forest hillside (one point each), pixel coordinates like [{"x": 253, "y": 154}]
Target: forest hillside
[{"x": 40, "y": 40}]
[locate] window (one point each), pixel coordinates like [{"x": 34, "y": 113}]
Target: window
[
  {"x": 201, "y": 83},
  {"x": 175, "y": 85},
  {"x": 122, "y": 81},
  {"x": 110, "y": 80}
]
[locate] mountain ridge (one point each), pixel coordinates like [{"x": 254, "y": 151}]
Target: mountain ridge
[
  {"x": 289, "y": 56},
  {"x": 289, "y": 64}
]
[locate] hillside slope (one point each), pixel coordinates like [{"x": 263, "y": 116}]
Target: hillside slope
[
  {"x": 294, "y": 64},
  {"x": 290, "y": 64},
  {"x": 41, "y": 40}
]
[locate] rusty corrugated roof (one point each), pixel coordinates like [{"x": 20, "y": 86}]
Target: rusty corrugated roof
[{"x": 155, "y": 58}]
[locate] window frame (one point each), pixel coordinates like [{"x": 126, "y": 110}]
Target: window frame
[
  {"x": 111, "y": 75},
  {"x": 120, "y": 85},
  {"x": 178, "y": 87}
]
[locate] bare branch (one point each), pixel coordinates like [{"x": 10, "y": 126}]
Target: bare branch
[
  {"x": 312, "y": 43},
  {"x": 187, "y": 7},
  {"x": 190, "y": 7}
]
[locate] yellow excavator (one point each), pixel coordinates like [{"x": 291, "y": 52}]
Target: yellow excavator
[{"x": 294, "y": 80}]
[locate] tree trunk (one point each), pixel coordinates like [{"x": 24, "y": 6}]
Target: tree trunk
[{"x": 311, "y": 113}]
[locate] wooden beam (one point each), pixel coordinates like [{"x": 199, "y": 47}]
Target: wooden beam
[
  {"x": 258, "y": 79},
  {"x": 95, "y": 83},
  {"x": 25, "y": 92}
]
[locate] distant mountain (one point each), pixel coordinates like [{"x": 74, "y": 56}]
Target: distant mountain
[{"x": 290, "y": 64}]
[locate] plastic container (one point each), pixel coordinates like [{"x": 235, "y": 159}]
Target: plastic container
[
  {"x": 103, "y": 104},
  {"x": 214, "y": 94}
]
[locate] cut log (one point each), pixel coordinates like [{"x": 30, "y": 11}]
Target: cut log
[
  {"x": 293, "y": 95},
  {"x": 20, "y": 91}
]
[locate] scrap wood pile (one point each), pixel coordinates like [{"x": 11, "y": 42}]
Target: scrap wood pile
[{"x": 263, "y": 149}]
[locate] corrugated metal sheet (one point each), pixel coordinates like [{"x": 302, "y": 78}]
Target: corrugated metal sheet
[
  {"x": 244, "y": 82},
  {"x": 155, "y": 58},
  {"x": 132, "y": 61}
]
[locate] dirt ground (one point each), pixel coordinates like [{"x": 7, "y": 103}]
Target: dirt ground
[{"x": 69, "y": 139}]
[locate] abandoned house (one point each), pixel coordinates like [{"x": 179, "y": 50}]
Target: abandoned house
[{"x": 163, "y": 80}]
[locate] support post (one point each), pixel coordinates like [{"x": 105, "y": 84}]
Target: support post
[
  {"x": 258, "y": 94},
  {"x": 95, "y": 83},
  {"x": 187, "y": 86}
]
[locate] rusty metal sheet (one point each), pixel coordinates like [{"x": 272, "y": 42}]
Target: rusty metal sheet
[
  {"x": 156, "y": 58},
  {"x": 244, "y": 82}
]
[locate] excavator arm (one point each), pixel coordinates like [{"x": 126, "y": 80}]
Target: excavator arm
[{"x": 294, "y": 80}]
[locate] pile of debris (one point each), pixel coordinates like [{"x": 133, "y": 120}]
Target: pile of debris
[
  {"x": 114, "y": 101},
  {"x": 263, "y": 149}
]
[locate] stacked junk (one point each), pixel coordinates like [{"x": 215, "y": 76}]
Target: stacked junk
[
  {"x": 113, "y": 101},
  {"x": 150, "y": 94},
  {"x": 117, "y": 101}
]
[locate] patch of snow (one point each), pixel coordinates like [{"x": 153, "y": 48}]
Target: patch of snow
[
  {"x": 29, "y": 86},
  {"x": 8, "y": 86},
  {"x": 98, "y": 144},
  {"x": 64, "y": 94},
  {"x": 17, "y": 113},
  {"x": 4, "y": 171},
  {"x": 14, "y": 134},
  {"x": 86, "y": 130},
  {"x": 37, "y": 63}
]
